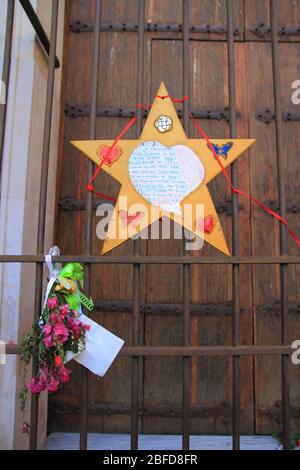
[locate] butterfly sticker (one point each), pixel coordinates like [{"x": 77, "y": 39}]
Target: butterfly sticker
[
  {"x": 222, "y": 150},
  {"x": 133, "y": 219}
]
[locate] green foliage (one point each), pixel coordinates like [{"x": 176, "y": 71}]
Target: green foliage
[{"x": 293, "y": 438}]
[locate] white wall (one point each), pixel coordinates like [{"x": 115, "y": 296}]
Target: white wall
[
  {"x": 20, "y": 187},
  {"x": 3, "y": 9}
]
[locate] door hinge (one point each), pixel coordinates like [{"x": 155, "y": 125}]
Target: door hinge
[
  {"x": 75, "y": 111},
  {"x": 273, "y": 308},
  {"x": 267, "y": 116},
  {"x": 225, "y": 207},
  {"x": 222, "y": 309},
  {"x": 262, "y": 29},
  {"x": 291, "y": 208},
  {"x": 70, "y": 204},
  {"x": 78, "y": 26},
  {"x": 173, "y": 411}
]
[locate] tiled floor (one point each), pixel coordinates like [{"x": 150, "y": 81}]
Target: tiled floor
[{"x": 69, "y": 441}]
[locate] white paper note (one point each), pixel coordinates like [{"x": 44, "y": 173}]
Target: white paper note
[{"x": 102, "y": 347}]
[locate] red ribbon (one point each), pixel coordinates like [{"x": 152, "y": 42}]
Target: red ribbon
[
  {"x": 239, "y": 191},
  {"x": 90, "y": 186}
]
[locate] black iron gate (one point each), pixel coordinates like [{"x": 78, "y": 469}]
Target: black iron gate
[{"x": 138, "y": 350}]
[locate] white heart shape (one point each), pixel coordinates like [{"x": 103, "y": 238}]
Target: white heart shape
[{"x": 165, "y": 175}]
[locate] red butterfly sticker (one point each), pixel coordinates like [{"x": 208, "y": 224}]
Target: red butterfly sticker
[
  {"x": 133, "y": 219},
  {"x": 109, "y": 155},
  {"x": 206, "y": 225}
]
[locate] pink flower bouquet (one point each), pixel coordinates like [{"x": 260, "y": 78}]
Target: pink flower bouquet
[{"x": 58, "y": 330}]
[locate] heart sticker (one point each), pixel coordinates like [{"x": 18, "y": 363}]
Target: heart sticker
[
  {"x": 206, "y": 225},
  {"x": 165, "y": 175},
  {"x": 133, "y": 219},
  {"x": 109, "y": 156}
]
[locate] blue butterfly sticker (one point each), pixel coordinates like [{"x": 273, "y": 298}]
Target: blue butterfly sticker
[{"x": 222, "y": 150}]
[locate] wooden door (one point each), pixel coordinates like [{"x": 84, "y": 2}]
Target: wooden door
[{"x": 211, "y": 289}]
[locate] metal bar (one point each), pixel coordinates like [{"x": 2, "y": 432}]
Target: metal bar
[
  {"x": 125, "y": 306},
  {"x": 77, "y": 26},
  {"x": 5, "y": 73},
  {"x": 136, "y": 365},
  {"x": 282, "y": 210},
  {"x": 186, "y": 268},
  {"x": 94, "y": 259},
  {"x": 267, "y": 116},
  {"x": 175, "y": 411},
  {"x": 223, "y": 207},
  {"x": 219, "y": 411},
  {"x": 42, "y": 207},
  {"x": 191, "y": 351},
  {"x": 89, "y": 219},
  {"x": 263, "y": 30},
  {"x": 82, "y": 110},
  {"x": 235, "y": 236},
  {"x": 38, "y": 27}
]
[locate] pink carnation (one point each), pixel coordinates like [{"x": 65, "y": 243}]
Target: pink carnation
[
  {"x": 61, "y": 332},
  {"x": 37, "y": 385},
  {"x": 64, "y": 374},
  {"x": 47, "y": 329},
  {"x": 85, "y": 326},
  {"x": 52, "y": 302},
  {"x": 52, "y": 385},
  {"x": 48, "y": 341},
  {"x": 74, "y": 325},
  {"x": 64, "y": 310}
]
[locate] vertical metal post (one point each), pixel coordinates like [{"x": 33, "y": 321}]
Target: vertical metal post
[
  {"x": 235, "y": 237},
  {"x": 42, "y": 206},
  {"x": 282, "y": 210},
  {"x": 5, "y": 72},
  {"x": 137, "y": 248},
  {"x": 186, "y": 267},
  {"x": 89, "y": 218}
]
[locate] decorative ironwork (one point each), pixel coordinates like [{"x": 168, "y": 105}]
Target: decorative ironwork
[
  {"x": 75, "y": 111},
  {"x": 262, "y": 30},
  {"x": 222, "y": 309},
  {"x": 72, "y": 204},
  {"x": 77, "y": 26},
  {"x": 267, "y": 116}
]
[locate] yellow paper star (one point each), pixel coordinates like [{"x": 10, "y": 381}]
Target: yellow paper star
[{"x": 133, "y": 212}]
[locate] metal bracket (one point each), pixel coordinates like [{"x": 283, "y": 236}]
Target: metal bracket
[
  {"x": 225, "y": 207},
  {"x": 262, "y": 29},
  {"x": 274, "y": 308},
  {"x": 70, "y": 204},
  {"x": 290, "y": 209},
  {"x": 75, "y": 111},
  {"x": 267, "y": 116},
  {"x": 224, "y": 410},
  {"x": 78, "y": 26},
  {"x": 164, "y": 308}
]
